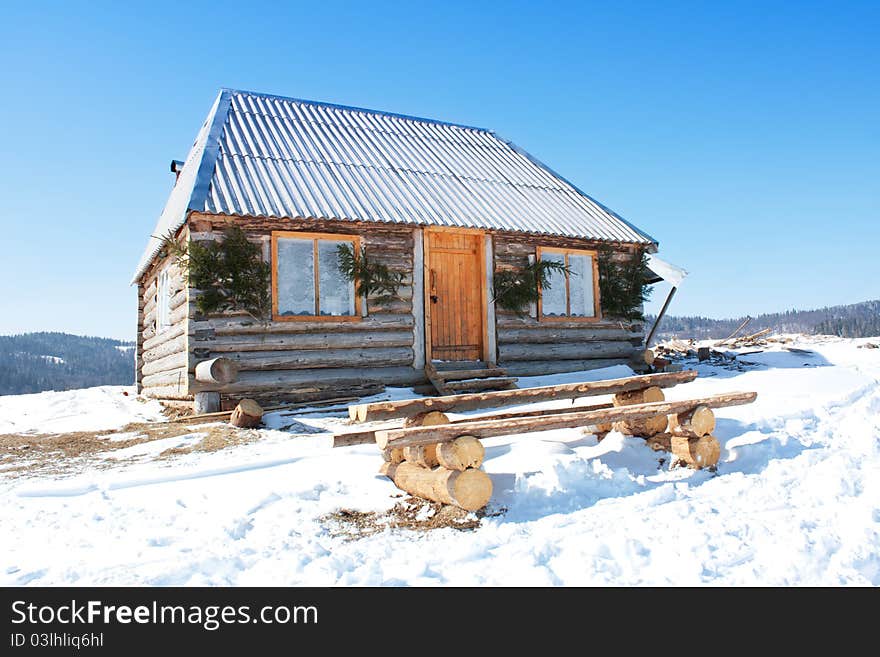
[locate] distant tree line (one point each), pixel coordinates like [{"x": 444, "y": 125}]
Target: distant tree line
[
  {"x": 34, "y": 362},
  {"x": 859, "y": 320}
]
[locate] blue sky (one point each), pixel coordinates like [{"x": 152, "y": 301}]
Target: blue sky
[{"x": 744, "y": 137}]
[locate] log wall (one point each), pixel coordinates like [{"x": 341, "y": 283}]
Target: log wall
[
  {"x": 529, "y": 347},
  {"x": 310, "y": 360},
  {"x": 161, "y": 352}
]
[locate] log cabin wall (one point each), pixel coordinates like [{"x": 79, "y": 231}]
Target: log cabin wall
[
  {"x": 529, "y": 346},
  {"x": 161, "y": 356},
  {"x": 310, "y": 360}
]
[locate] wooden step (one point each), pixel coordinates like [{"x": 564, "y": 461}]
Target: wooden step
[
  {"x": 474, "y": 385},
  {"x": 460, "y": 375}
]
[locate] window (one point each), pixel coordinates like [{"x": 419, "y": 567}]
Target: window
[
  {"x": 306, "y": 281},
  {"x": 163, "y": 300},
  {"x": 573, "y": 295}
]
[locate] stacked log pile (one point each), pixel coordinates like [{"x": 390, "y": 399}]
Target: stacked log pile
[
  {"x": 430, "y": 456},
  {"x": 447, "y": 472}
]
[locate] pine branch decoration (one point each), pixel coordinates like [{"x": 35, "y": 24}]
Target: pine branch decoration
[
  {"x": 372, "y": 279},
  {"x": 516, "y": 289},
  {"x": 622, "y": 285},
  {"x": 230, "y": 274}
]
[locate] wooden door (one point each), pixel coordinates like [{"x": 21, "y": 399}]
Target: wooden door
[{"x": 454, "y": 295}]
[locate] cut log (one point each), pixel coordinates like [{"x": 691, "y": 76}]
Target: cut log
[
  {"x": 427, "y": 419},
  {"x": 487, "y": 428},
  {"x": 394, "y": 454},
  {"x": 460, "y": 454},
  {"x": 648, "y": 356},
  {"x": 468, "y": 402},
  {"x": 662, "y": 442},
  {"x": 469, "y": 489},
  {"x": 423, "y": 455},
  {"x": 647, "y": 427},
  {"x": 206, "y": 402},
  {"x": 694, "y": 423},
  {"x": 247, "y": 414},
  {"x": 703, "y": 353},
  {"x": 219, "y": 371},
  {"x": 660, "y": 363},
  {"x": 701, "y": 452}
]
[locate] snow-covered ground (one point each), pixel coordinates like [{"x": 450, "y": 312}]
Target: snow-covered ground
[{"x": 795, "y": 499}]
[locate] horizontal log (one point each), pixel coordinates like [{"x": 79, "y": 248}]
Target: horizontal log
[
  {"x": 150, "y": 307},
  {"x": 323, "y": 358},
  {"x": 488, "y": 428},
  {"x": 567, "y": 351},
  {"x": 178, "y": 378},
  {"x": 216, "y": 371},
  {"x": 469, "y": 402},
  {"x": 180, "y": 297},
  {"x": 255, "y": 382},
  {"x": 166, "y": 392},
  {"x": 543, "y": 367},
  {"x": 172, "y": 346},
  {"x": 173, "y": 362},
  {"x": 548, "y": 334},
  {"x": 150, "y": 290},
  {"x": 469, "y": 489},
  {"x": 178, "y": 315},
  {"x": 170, "y": 333},
  {"x": 394, "y": 306},
  {"x": 249, "y": 326},
  {"x": 368, "y": 436},
  {"x": 510, "y": 320},
  {"x": 299, "y": 341}
]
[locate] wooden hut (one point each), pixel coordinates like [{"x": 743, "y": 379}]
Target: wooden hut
[{"x": 445, "y": 206}]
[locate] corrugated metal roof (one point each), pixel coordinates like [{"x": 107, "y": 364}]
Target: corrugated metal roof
[{"x": 264, "y": 155}]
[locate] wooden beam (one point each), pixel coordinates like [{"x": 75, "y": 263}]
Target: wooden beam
[
  {"x": 368, "y": 436},
  {"x": 489, "y": 428},
  {"x": 469, "y": 402}
]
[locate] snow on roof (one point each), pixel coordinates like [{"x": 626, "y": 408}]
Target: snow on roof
[{"x": 264, "y": 155}]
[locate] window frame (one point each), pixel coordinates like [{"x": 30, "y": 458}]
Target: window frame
[
  {"x": 597, "y": 305},
  {"x": 163, "y": 300},
  {"x": 315, "y": 238}
]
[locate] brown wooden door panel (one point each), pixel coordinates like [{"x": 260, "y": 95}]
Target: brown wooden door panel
[{"x": 455, "y": 280}]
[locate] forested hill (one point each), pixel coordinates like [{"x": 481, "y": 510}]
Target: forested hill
[
  {"x": 859, "y": 320},
  {"x": 33, "y": 362}
]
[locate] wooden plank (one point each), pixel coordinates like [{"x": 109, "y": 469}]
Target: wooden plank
[
  {"x": 490, "y": 353},
  {"x": 452, "y": 375},
  {"x": 407, "y": 407},
  {"x": 472, "y": 385},
  {"x": 418, "y": 300},
  {"x": 488, "y": 428}
]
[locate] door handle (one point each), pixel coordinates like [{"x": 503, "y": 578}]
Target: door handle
[{"x": 434, "y": 298}]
